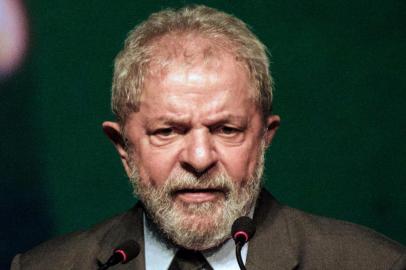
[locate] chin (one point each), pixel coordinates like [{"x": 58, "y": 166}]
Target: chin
[
  {"x": 199, "y": 226},
  {"x": 198, "y": 218}
]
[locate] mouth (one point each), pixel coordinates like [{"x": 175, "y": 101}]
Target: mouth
[{"x": 199, "y": 195}]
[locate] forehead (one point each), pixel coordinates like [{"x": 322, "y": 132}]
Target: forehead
[
  {"x": 196, "y": 83},
  {"x": 190, "y": 49},
  {"x": 217, "y": 74}
]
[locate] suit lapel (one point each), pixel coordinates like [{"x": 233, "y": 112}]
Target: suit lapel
[
  {"x": 130, "y": 226},
  {"x": 270, "y": 247}
]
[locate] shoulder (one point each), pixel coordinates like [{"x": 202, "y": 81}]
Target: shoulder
[
  {"x": 51, "y": 251},
  {"x": 64, "y": 251},
  {"x": 340, "y": 243}
]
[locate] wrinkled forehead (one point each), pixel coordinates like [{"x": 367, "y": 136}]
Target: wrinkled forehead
[{"x": 191, "y": 50}]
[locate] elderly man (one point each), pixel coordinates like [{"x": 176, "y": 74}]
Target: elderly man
[{"x": 193, "y": 97}]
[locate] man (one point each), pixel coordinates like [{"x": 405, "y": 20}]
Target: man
[{"x": 193, "y": 97}]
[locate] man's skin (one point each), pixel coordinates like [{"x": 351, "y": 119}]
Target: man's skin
[{"x": 195, "y": 115}]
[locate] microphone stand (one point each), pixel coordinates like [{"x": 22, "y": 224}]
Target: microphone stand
[
  {"x": 238, "y": 247},
  {"x": 103, "y": 267},
  {"x": 114, "y": 259}
]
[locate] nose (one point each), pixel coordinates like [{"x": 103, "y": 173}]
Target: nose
[{"x": 198, "y": 155}]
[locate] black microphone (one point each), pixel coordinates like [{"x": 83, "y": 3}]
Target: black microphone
[
  {"x": 123, "y": 253},
  {"x": 242, "y": 231}
]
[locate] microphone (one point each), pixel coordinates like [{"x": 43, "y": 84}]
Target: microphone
[
  {"x": 242, "y": 231},
  {"x": 123, "y": 253}
]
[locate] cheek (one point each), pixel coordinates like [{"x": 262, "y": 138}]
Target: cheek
[
  {"x": 155, "y": 165},
  {"x": 239, "y": 162}
]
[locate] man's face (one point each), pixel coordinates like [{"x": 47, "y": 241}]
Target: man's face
[{"x": 195, "y": 149}]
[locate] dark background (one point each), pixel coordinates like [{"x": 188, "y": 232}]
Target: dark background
[{"x": 340, "y": 74}]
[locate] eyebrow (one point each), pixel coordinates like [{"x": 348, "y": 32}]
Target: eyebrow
[
  {"x": 184, "y": 120},
  {"x": 150, "y": 122},
  {"x": 227, "y": 117}
]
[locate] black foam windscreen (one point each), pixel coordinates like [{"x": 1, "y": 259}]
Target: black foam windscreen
[
  {"x": 243, "y": 227},
  {"x": 130, "y": 248}
]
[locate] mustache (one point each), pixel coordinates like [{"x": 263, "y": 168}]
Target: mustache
[{"x": 184, "y": 181}]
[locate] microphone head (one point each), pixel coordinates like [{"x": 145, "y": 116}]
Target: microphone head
[
  {"x": 128, "y": 250},
  {"x": 243, "y": 229}
]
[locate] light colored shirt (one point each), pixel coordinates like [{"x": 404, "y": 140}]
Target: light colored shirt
[{"x": 159, "y": 255}]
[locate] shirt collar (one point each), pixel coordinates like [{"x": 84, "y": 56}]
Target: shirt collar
[{"x": 222, "y": 258}]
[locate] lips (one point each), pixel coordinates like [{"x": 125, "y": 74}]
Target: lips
[{"x": 198, "y": 195}]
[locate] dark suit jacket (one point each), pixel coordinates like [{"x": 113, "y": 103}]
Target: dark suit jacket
[{"x": 286, "y": 238}]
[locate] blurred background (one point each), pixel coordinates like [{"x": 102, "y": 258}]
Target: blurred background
[{"x": 340, "y": 71}]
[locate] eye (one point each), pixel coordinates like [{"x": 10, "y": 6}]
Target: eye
[
  {"x": 164, "y": 135},
  {"x": 227, "y": 131},
  {"x": 164, "y": 132}
]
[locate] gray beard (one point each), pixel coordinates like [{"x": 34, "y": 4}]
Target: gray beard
[{"x": 198, "y": 226}]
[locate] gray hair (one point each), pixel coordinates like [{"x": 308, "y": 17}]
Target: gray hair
[{"x": 132, "y": 63}]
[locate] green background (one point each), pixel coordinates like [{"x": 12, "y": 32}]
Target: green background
[{"x": 340, "y": 74}]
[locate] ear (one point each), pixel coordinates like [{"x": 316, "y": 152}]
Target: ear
[
  {"x": 272, "y": 124},
  {"x": 113, "y": 132}
]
